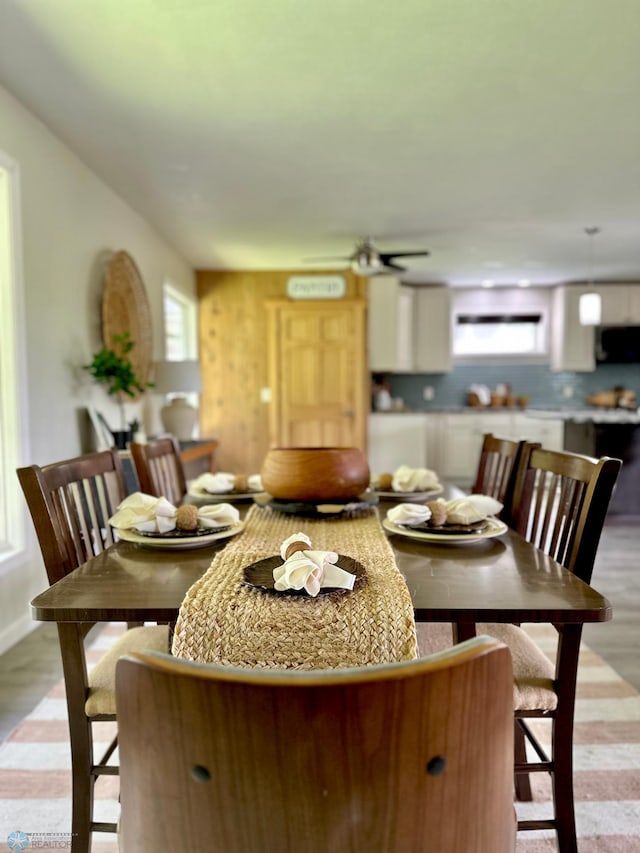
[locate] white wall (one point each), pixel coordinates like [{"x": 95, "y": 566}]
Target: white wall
[{"x": 71, "y": 223}]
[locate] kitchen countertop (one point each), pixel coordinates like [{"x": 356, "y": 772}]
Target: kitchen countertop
[{"x": 591, "y": 414}]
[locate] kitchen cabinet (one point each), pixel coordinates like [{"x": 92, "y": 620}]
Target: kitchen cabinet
[
  {"x": 390, "y": 325},
  {"x": 572, "y": 346},
  {"x": 450, "y": 442},
  {"x": 397, "y": 438},
  {"x": 433, "y": 330},
  {"x": 620, "y": 304},
  {"x": 459, "y": 439},
  {"x": 409, "y": 327},
  {"x": 459, "y": 442}
]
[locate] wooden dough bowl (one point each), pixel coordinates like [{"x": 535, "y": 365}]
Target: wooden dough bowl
[{"x": 315, "y": 473}]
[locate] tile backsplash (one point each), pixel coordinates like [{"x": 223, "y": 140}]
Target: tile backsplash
[{"x": 537, "y": 382}]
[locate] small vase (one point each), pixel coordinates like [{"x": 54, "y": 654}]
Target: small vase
[{"x": 121, "y": 438}]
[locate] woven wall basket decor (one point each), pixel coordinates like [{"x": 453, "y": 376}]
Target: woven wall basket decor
[{"x": 125, "y": 308}]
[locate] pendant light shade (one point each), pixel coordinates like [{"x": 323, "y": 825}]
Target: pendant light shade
[{"x": 590, "y": 306}]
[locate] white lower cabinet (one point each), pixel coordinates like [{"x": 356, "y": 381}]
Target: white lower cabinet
[
  {"x": 397, "y": 439},
  {"x": 450, "y": 443}
]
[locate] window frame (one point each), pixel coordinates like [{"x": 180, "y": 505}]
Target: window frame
[{"x": 13, "y": 375}]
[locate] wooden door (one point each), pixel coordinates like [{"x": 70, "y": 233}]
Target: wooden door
[{"x": 317, "y": 372}]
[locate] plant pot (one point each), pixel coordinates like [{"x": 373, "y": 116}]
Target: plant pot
[{"x": 121, "y": 437}]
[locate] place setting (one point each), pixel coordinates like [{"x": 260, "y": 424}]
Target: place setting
[
  {"x": 458, "y": 521},
  {"x": 156, "y": 523},
  {"x": 301, "y": 570},
  {"x": 224, "y": 486},
  {"x": 407, "y": 484}
]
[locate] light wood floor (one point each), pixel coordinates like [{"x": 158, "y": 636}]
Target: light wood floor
[{"x": 32, "y": 667}]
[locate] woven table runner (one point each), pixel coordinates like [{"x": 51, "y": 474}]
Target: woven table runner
[{"x": 224, "y": 620}]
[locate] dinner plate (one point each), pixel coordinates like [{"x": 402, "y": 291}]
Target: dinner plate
[
  {"x": 495, "y": 528},
  {"x": 318, "y": 509},
  {"x": 260, "y": 575},
  {"x": 199, "y": 541},
  {"x": 405, "y": 497},
  {"x": 219, "y": 497}
]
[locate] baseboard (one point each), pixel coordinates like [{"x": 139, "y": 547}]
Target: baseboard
[{"x": 16, "y": 631}]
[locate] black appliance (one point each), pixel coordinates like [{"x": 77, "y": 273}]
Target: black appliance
[{"x": 618, "y": 345}]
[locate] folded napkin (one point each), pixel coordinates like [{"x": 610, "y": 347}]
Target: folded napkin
[
  {"x": 223, "y": 483},
  {"x": 459, "y": 511},
  {"x": 156, "y": 515},
  {"x": 310, "y": 570},
  {"x": 472, "y": 508},
  {"x": 215, "y": 484},
  {"x": 407, "y": 479},
  {"x": 409, "y": 514}
]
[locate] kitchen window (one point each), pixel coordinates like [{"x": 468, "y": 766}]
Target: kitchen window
[{"x": 518, "y": 335}]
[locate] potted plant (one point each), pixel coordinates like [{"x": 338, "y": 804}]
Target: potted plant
[{"x": 112, "y": 368}]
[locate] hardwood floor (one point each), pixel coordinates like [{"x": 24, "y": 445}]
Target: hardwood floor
[{"x": 32, "y": 667}]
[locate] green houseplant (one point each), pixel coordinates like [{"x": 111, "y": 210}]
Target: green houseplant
[{"x": 112, "y": 368}]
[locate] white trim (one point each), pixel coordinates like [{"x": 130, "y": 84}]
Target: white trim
[
  {"x": 17, "y": 630},
  {"x": 13, "y": 373},
  {"x": 190, "y": 329}
]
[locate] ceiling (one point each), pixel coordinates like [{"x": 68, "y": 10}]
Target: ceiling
[{"x": 254, "y": 134}]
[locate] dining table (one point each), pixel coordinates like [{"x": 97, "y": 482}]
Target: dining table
[{"x": 501, "y": 578}]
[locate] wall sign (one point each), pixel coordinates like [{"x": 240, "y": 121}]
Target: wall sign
[{"x": 316, "y": 287}]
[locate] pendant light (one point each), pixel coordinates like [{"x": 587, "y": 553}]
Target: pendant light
[{"x": 590, "y": 307}]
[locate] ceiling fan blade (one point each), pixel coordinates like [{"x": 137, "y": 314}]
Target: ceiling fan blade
[
  {"x": 385, "y": 257},
  {"x": 391, "y": 266}
]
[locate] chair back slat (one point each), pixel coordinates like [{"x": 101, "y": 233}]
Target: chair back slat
[
  {"x": 497, "y": 470},
  {"x": 409, "y": 757},
  {"x": 560, "y": 503},
  {"x": 159, "y": 468},
  {"x": 70, "y": 503}
]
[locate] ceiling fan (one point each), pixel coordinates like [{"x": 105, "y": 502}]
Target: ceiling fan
[{"x": 367, "y": 260}]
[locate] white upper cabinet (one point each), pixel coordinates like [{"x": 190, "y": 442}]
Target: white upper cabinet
[
  {"x": 572, "y": 346},
  {"x": 620, "y": 304},
  {"x": 390, "y": 325},
  {"x": 433, "y": 330},
  {"x": 409, "y": 327}
]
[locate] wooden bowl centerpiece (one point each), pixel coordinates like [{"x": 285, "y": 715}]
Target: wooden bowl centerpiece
[{"x": 315, "y": 473}]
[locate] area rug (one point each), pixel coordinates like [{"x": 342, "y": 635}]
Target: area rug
[{"x": 35, "y": 783}]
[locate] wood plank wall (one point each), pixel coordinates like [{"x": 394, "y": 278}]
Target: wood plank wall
[{"x": 233, "y": 348}]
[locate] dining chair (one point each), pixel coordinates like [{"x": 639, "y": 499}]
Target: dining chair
[
  {"x": 394, "y": 757},
  {"x": 560, "y": 501},
  {"x": 497, "y": 467},
  {"x": 159, "y": 468},
  {"x": 560, "y": 504},
  {"x": 70, "y": 503}
]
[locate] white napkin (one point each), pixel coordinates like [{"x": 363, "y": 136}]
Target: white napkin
[
  {"x": 409, "y": 514},
  {"x": 310, "y": 570},
  {"x": 472, "y": 508},
  {"x": 156, "y": 515},
  {"x": 407, "y": 479},
  {"x": 146, "y": 513},
  {"x": 217, "y": 515},
  {"x": 255, "y": 483},
  {"x": 215, "y": 484}
]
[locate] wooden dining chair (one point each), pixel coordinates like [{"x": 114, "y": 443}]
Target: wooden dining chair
[
  {"x": 159, "y": 468},
  {"x": 497, "y": 467},
  {"x": 392, "y": 758},
  {"x": 560, "y": 502},
  {"x": 70, "y": 503}
]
